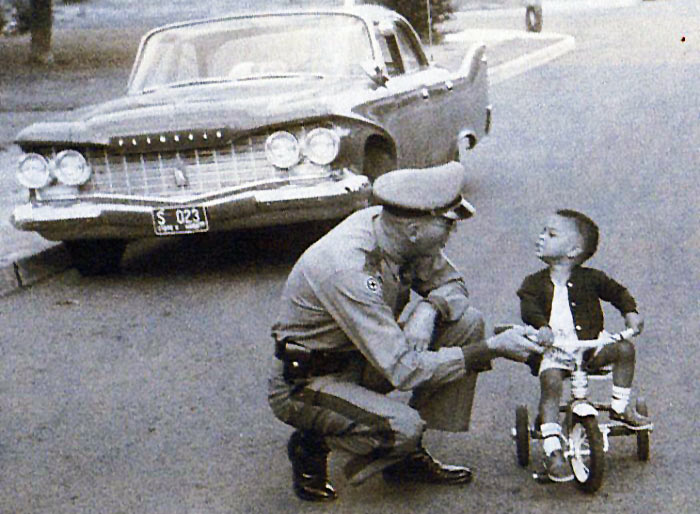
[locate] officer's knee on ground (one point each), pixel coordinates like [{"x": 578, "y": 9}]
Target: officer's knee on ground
[{"x": 408, "y": 428}]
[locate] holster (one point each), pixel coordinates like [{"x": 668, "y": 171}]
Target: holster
[{"x": 300, "y": 362}]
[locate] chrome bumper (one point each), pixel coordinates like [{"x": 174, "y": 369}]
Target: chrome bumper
[{"x": 103, "y": 218}]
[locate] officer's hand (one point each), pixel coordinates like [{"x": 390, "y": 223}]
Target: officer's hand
[
  {"x": 634, "y": 321},
  {"x": 420, "y": 326},
  {"x": 545, "y": 336},
  {"x": 517, "y": 343}
]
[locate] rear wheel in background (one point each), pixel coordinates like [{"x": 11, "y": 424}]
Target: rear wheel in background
[
  {"x": 533, "y": 18},
  {"x": 96, "y": 256}
]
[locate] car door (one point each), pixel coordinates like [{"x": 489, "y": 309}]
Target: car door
[
  {"x": 461, "y": 103},
  {"x": 407, "y": 112},
  {"x": 438, "y": 91}
]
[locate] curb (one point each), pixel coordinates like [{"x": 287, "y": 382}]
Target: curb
[
  {"x": 564, "y": 44},
  {"x": 31, "y": 269},
  {"x": 568, "y": 5},
  {"x": 531, "y": 60}
]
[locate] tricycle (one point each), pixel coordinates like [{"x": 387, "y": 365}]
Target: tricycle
[{"x": 585, "y": 439}]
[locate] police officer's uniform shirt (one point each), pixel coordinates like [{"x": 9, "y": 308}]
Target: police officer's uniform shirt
[{"x": 345, "y": 294}]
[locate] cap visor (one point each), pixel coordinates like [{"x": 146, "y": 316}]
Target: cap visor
[{"x": 464, "y": 210}]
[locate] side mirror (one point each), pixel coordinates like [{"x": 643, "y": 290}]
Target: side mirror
[
  {"x": 385, "y": 28},
  {"x": 375, "y": 71}
]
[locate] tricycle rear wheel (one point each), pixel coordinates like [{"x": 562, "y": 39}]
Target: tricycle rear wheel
[
  {"x": 642, "y": 435},
  {"x": 522, "y": 436}
]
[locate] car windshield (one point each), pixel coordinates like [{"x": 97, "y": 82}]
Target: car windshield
[{"x": 252, "y": 48}]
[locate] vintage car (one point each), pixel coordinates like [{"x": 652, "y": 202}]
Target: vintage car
[{"x": 246, "y": 121}]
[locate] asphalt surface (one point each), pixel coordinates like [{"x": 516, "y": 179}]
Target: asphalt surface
[
  {"x": 145, "y": 392},
  {"x": 26, "y": 257}
]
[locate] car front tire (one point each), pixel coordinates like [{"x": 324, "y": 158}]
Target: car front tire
[
  {"x": 96, "y": 257},
  {"x": 377, "y": 162}
]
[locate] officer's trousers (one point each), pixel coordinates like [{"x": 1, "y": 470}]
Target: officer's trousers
[{"x": 378, "y": 429}]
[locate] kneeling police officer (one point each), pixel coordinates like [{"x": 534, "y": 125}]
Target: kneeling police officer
[{"x": 347, "y": 335}]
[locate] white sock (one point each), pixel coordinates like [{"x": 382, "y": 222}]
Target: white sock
[
  {"x": 550, "y": 433},
  {"x": 620, "y": 398}
]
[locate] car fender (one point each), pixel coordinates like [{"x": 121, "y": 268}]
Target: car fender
[
  {"x": 473, "y": 61},
  {"x": 357, "y": 141}
]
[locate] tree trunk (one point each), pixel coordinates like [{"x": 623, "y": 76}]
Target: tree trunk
[{"x": 41, "y": 26}]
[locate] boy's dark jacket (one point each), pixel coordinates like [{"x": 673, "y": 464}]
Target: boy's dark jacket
[{"x": 587, "y": 286}]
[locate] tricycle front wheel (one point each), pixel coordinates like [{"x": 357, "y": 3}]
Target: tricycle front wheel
[{"x": 587, "y": 453}]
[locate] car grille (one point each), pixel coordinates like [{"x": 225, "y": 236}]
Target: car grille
[{"x": 187, "y": 171}]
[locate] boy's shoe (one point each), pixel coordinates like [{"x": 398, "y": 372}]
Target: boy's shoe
[
  {"x": 631, "y": 419},
  {"x": 557, "y": 467}
]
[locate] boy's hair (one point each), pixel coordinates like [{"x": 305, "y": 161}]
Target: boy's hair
[{"x": 588, "y": 230}]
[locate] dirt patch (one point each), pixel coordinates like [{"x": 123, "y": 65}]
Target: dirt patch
[{"x": 90, "y": 66}]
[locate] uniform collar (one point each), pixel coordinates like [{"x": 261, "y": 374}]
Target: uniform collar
[{"x": 389, "y": 253}]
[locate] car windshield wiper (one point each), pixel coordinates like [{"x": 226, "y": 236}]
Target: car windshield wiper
[
  {"x": 221, "y": 80},
  {"x": 186, "y": 83},
  {"x": 280, "y": 75}
]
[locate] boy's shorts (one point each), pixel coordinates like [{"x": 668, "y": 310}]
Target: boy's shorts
[{"x": 553, "y": 359}]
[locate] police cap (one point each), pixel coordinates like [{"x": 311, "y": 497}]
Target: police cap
[{"x": 435, "y": 191}]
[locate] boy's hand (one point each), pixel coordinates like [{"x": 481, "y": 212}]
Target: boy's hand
[
  {"x": 514, "y": 344},
  {"x": 634, "y": 321},
  {"x": 545, "y": 336}
]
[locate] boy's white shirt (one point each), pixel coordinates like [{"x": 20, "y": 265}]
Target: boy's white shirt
[{"x": 561, "y": 320}]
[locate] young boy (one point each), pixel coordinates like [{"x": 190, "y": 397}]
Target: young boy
[{"x": 563, "y": 302}]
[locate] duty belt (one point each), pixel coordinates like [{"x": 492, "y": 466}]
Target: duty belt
[{"x": 300, "y": 362}]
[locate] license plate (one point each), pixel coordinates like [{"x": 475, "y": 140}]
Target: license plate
[{"x": 180, "y": 220}]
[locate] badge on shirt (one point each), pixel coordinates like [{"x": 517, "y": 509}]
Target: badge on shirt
[{"x": 372, "y": 284}]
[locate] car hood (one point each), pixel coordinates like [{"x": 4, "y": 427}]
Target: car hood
[{"x": 237, "y": 106}]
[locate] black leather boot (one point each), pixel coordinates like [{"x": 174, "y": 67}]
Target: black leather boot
[
  {"x": 308, "y": 454},
  {"x": 420, "y": 466}
]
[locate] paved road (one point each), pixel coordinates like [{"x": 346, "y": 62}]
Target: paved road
[{"x": 144, "y": 393}]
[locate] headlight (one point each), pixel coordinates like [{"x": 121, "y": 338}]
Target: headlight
[
  {"x": 71, "y": 168},
  {"x": 282, "y": 149},
  {"x": 321, "y": 146},
  {"x": 33, "y": 171}
]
